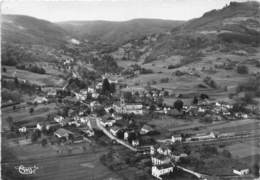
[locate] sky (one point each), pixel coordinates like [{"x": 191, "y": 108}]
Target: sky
[{"x": 112, "y": 10}]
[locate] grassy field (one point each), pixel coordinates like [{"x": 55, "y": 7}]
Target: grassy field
[
  {"x": 23, "y": 115},
  {"x": 35, "y": 78},
  {"x": 242, "y": 150},
  {"x": 79, "y": 166}
]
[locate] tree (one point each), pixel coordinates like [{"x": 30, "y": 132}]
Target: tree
[
  {"x": 31, "y": 110},
  {"x": 204, "y": 96},
  {"x": 178, "y": 104},
  {"x": 4, "y": 69},
  {"x": 112, "y": 87},
  {"x": 226, "y": 153},
  {"x": 16, "y": 81},
  {"x": 242, "y": 69},
  {"x": 195, "y": 100},
  {"x": 10, "y": 121},
  {"x": 111, "y": 110},
  {"x": 106, "y": 86},
  {"x": 255, "y": 170},
  {"x": 128, "y": 96},
  {"x": 100, "y": 111},
  {"x": 36, "y": 135},
  {"x": 44, "y": 142},
  {"x": 152, "y": 108}
]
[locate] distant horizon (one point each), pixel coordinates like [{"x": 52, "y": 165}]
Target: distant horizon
[
  {"x": 113, "y": 10},
  {"x": 95, "y": 20}
]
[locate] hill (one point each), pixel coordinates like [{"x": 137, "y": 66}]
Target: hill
[
  {"x": 202, "y": 55},
  {"x": 117, "y": 32},
  {"x": 235, "y": 23},
  {"x": 28, "y": 30}
]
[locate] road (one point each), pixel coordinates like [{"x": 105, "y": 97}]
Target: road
[{"x": 113, "y": 137}]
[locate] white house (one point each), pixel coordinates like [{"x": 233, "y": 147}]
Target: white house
[
  {"x": 114, "y": 130},
  {"x": 95, "y": 95},
  {"x": 129, "y": 108},
  {"x": 205, "y": 136},
  {"x": 146, "y": 129},
  {"x": 159, "y": 159},
  {"x": 63, "y": 133},
  {"x": 164, "y": 150},
  {"x": 58, "y": 119},
  {"x": 91, "y": 90},
  {"x": 40, "y": 100},
  {"x": 126, "y": 135},
  {"x": 80, "y": 97},
  {"x": 135, "y": 142},
  {"x": 157, "y": 171},
  {"x": 38, "y": 126},
  {"x": 107, "y": 123},
  {"x": 176, "y": 157},
  {"x": 52, "y": 93},
  {"x": 176, "y": 138},
  {"x": 241, "y": 172}
]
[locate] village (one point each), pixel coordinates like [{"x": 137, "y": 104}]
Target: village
[
  {"x": 123, "y": 114},
  {"x": 165, "y": 90}
]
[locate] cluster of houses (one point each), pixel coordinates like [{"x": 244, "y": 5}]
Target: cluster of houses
[
  {"x": 163, "y": 160},
  {"x": 217, "y": 111}
]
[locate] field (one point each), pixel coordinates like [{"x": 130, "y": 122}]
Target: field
[
  {"x": 69, "y": 167},
  {"x": 242, "y": 150},
  {"x": 24, "y": 116},
  {"x": 51, "y": 78}
]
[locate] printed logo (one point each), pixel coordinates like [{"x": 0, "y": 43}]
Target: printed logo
[{"x": 27, "y": 170}]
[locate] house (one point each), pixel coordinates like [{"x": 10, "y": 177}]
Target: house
[
  {"x": 40, "y": 100},
  {"x": 159, "y": 159},
  {"x": 38, "y": 126},
  {"x": 76, "y": 123},
  {"x": 160, "y": 170},
  {"x": 135, "y": 142},
  {"x": 62, "y": 121},
  {"x": 52, "y": 93},
  {"x": 146, "y": 129},
  {"x": 87, "y": 131},
  {"x": 129, "y": 108},
  {"x": 241, "y": 172},
  {"x": 80, "y": 97},
  {"x": 114, "y": 130},
  {"x": 176, "y": 138},
  {"x": 58, "y": 119},
  {"x": 107, "y": 122},
  {"x": 94, "y": 104},
  {"x": 99, "y": 85},
  {"x": 126, "y": 135},
  {"x": 211, "y": 135},
  {"x": 164, "y": 150},
  {"x": 176, "y": 157},
  {"x": 63, "y": 133}
]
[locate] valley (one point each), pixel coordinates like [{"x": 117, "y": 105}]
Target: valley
[{"x": 180, "y": 94}]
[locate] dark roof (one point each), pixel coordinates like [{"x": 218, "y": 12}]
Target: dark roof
[{"x": 164, "y": 166}]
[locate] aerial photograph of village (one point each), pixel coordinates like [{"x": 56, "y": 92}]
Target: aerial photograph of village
[{"x": 130, "y": 90}]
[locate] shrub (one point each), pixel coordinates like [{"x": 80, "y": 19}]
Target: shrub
[
  {"x": 173, "y": 66},
  {"x": 242, "y": 69},
  {"x": 210, "y": 82},
  {"x": 7, "y": 95},
  {"x": 164, "y": 80},
  {"x": 179, "y": 73}
]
